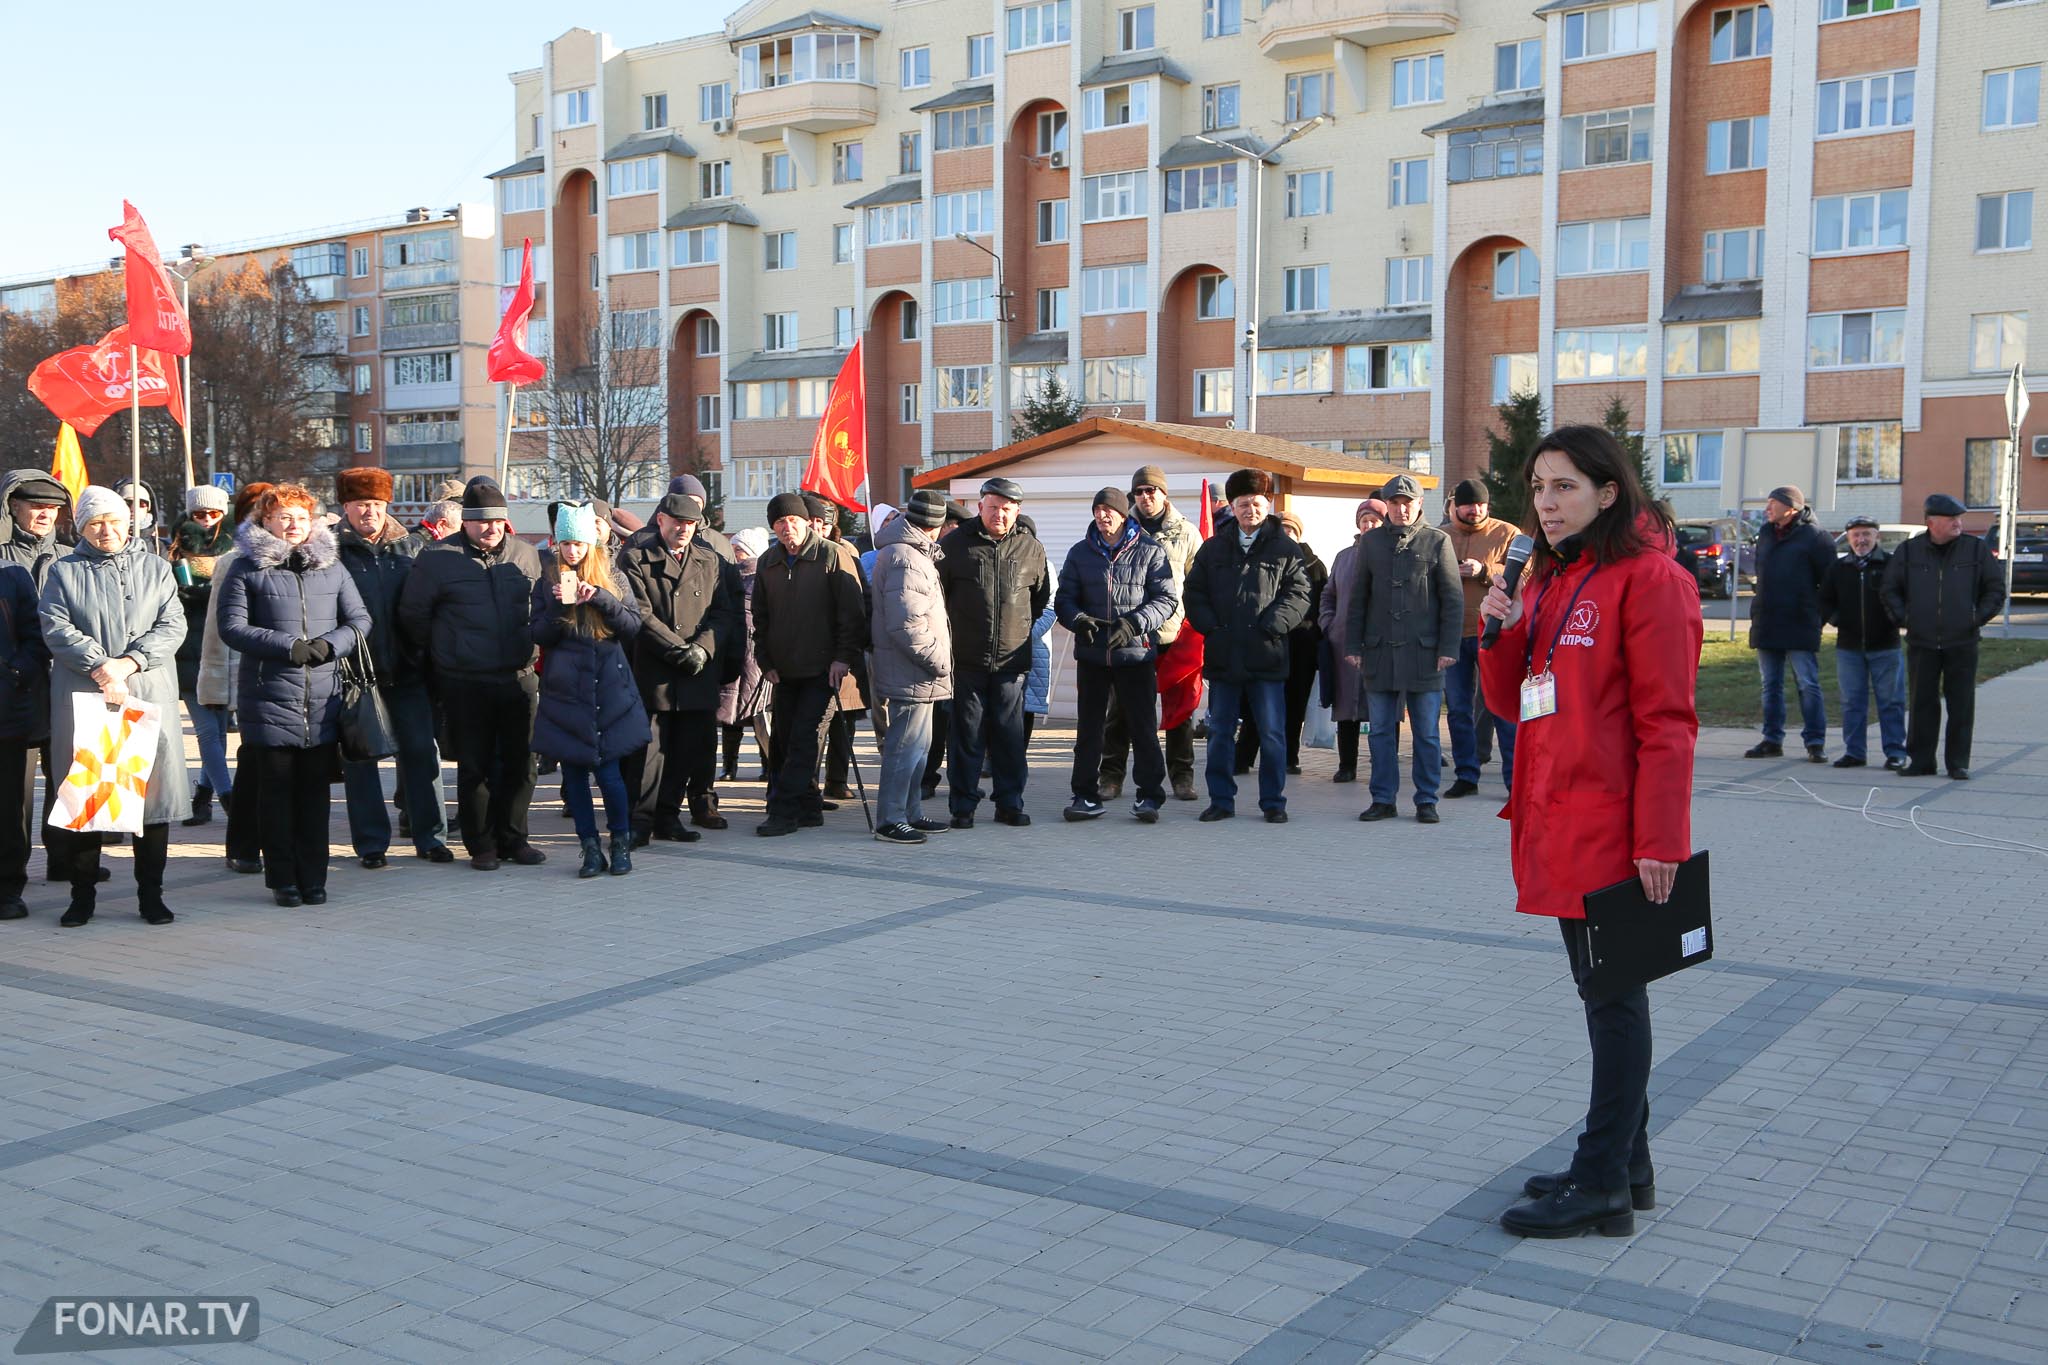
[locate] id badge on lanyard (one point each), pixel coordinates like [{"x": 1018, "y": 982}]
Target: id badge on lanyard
[
  {"x": 1539, "y": 697},
  {"x": 1539, "y": 690}
]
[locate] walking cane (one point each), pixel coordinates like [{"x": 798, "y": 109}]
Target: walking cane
[{"x": 853, "y": 759}]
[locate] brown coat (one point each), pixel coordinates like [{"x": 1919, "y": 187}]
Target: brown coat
[{"x": 1488, "y": 543}]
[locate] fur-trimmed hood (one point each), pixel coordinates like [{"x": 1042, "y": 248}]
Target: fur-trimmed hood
[{"x": 266, "y": 551}]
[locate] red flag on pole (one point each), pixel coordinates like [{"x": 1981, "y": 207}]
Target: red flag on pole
[
  {"x": 87, "y": 384},
  {"x": 156, "y": 320},
  {"x": 507, "y": 362},
  {"x": 839, "y": 455},
  {"x": 1180, "y": 663}
]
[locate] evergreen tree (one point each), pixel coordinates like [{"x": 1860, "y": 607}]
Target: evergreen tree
[
  {"x": 1521, "y": 419},
  {"x": 1051, "y": 408},
  {"x": 1617, "y": 421}
]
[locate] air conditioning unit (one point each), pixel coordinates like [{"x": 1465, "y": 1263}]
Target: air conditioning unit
[
  {"x": 1057, "y": 160},
  {"x": 2040, "y": 447},
  {"x": 721, "y": 125}
]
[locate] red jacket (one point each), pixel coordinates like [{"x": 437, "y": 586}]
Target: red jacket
[{"x": 1608, "y": 778}]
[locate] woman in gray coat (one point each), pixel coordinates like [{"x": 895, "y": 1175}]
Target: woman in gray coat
[
  {"x": 113, "y": 624},
  {"x": 911, "y": 660},
  {"x": 1333, "y": 614}
]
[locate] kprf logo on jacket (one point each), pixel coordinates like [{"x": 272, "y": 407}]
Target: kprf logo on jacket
[{"x": 1579, "y": 629}]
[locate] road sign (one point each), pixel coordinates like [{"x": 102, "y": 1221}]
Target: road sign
[
  {"x": 2016, "y": 400},
  {"x": 226, "y": 481}
]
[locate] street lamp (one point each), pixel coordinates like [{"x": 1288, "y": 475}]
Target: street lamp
[
  {"x": 1251, "y": 331},
  {"x": 1002, "y": 341},
  {"x": 193, "y": 258}
]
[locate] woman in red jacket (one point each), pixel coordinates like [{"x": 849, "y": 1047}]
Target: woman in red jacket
[{"x": 1598, "y": 654}]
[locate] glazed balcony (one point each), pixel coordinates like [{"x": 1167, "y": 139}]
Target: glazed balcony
[{"x": 1306, "y": 28}]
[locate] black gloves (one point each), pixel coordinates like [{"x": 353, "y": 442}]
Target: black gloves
[
  {"x": 302, "y": 651},
  {"x": 1084, "y": 627},
  {"x": 692, "y": 658},
  {"x": 1122, "y": 635}
]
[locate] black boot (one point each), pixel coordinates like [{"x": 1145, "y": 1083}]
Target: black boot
[
  {"x": 81, "y": 908},
  {"x": 1642, "y": 1187},
  {"x": 622, "y": 858},
  {"x": 202, "y": 807},
  {"x": 1571, "y": 1210},
  {"x": 593, "y": 858},
  {"x": 151, "y": 902}
]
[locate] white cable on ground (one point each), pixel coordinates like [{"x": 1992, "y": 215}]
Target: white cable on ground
[{"x": 1885, "y": 819}]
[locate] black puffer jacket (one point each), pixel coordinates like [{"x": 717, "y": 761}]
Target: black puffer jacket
[
  {"x": 808, "y": 611},
  {"x": 380, "y": 570},
  {"x": 465, "y": 611},
  {"x": 1785, "y": 614},
  {"x": 694, "y": 600},
  {"x": 1129, "y": 581},
  {"x": 1852, "y": 601},
  {"x": 24, "y": 660},
  {"x": 995, "y": 592},
  {"x": 1246, "y": 601},
  {"x": 275, "y": 594},
  {"x": 1943, "y": 594}
]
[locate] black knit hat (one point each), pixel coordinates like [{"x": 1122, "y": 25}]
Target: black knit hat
[
  {"x": 483, "y": 500},
  {"x": 926, "y": 508},
  {"x": 821, "y": 508},
  {"x": 787, "y": 505},
  {"x": 1468, "y": 493},
  {"x": 1112, "y": 497}
]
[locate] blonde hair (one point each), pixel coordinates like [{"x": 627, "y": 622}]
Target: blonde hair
[{"x": 596, "y": 570}]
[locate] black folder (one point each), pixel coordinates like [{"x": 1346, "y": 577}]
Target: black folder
[{"x": 1635, "y": 940}]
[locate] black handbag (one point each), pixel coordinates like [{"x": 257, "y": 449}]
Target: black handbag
[{"x": 366, "y": 733}]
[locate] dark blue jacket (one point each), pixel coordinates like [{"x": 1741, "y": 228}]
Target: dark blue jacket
[
  {"x": 590, "y": 709},
  {"x": 1128, "y": 581},
  {"x": 1790, "y": 567},
  {"x": 380, "y": 570},
  {"x": 24, "y": 660},
  {"x": 275, "y": 594}
]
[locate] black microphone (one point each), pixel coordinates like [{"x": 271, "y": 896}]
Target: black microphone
[{"x": 1519, "y": 550}]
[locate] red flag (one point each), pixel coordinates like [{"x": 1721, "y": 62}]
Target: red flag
[
  {"x": 1180, "y": 663},
  {"x": 839, "y": 456},
  {"x": 507, "y": 362},
  {"x": 87, "y": 384},
  {"x": 1206, "y": 523},
  {"x": 156, "y": 319}
]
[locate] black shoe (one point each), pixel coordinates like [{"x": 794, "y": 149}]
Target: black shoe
[
  {"x": 1276, "y": 817},
  {"x": 929, "y": 826},
  {"x": 1571, "y": 1210},
  {"x": 1082, "y": 808},
  {"x": 1145, "y": 812},
  {"x": 1765, "y": 749},
  {"x": 928, "y": 791},
  {"x": 439, "y": 853},
  {"x": 1847, "y": 762},
  {"x": 828, "y": 805},
  {"x": 1642, "y": 1194},
  {"x": 677, "y": 834},
  {"x": 963, "y": 822},
  {"x": 76, "y": 915},
  {"x": 1215, "y": 813},
  {"x": 526, "y": 855},
  {"x": 287, "y": 896},
  {"x": 1017, "y": 819},
  {"x": 593, "y": 858},
  {"x": 1959, "y": 774},
  {"x": 1378, "y": 810},
  {"x": 245, "y": 866},
  {"x": 811, "y": 819},
  {"x": 317, "y": 896},
  {"x": 154, "y": 911},
  {"x": 642, "y": 838},
  {"x": 1895, "y": 765},
  {"x": 1184, "y": 789},
  {"x": 1460, "y": 788},
  {"x": 897, "y": 834},
  {"x": 622, "y": 855},
  {"x": 1294, "y": 770},
  {"x": 1816, "y": 753},
  {"x": 1109, "y": 791},
  {"x": 1344, "y": 775},
  {"x": 566, "y": 813},
  {"x": 202, "y": 807},
  {"x": 1426, "y": 815},
  {"x": 484, "y": 862},
  {"x": 1916, "y": 770},
  {"x": 372, "y": 861},
  {"x": 14, "y": 909},
  {"x": 774, "y": 827}
]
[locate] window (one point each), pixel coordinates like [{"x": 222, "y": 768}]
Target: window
[
  {"x": 1513, "y": 374},
  {"x": 535, "y": 129},
  {"x": 778, "y": 172},
  {"x": 1113, "y": 379},
  {"x": 846, "y": 162},
  {"x": 429, "y": 367},
  {"x": 910, "y": 332},
  {"x": 1407, "y": 280},
  {"x": 1219, "y": 107},
  {"x": 653, "y": 112},
  {"x": 1221, "y": 18},
  {"x": 508, "y": 265},
  {"x": 1692, "y": 457},
  {"x": 572, "y": 108},
  {"x": 1215, "y": 298},
  {"x": 413, "y": 310},
  {"x": 1496, "y": 153},
  {"x": 1859, "y": 222},
  {"x": 1733, "y": 254},
  {"x": 2005, "y": 222},
  {"x": 714, "y": 179},
  {"x": 1612, "y": 137},
  {"x": 1308, "y": 94},
  {"x": 1378, "y": 369},
  {"x": 909, "y": 153},
  {"x": 970, "y": 211},
  {"x": 1998, "y": 341},
  {"x": 1739, "y": 34},
  {"x": 714, "y": 101},
  {"x": 516, "y": 194},
  {"x": 359, "y": 321},
  {"x": 363, "y": 378},
  {"x": 1052, "y": 221},
  {"x": 1028, "y": 382},
  {"x": 1515, "y": 275},
  {"x": 593, "y": 196},
  {"x": 2012, "y": 99},
  {"x": 1408, "y": 182},
  {"x": 1308, "y": 193},
  {"x": 1305, "y": 288},
  {"x": 638, "y": 176},
  {"x": 1105, "y": 197},
  {"x": 842, "y": 244},
  {"x": 1983, "y": 457},
  {"x": 908, "y": 410},
  {"x": 1837, "y": 341},
  {"x": 593, "y": 269},
  {"x": 962, "y": 386},
  {"x": 889, "y": 224},
  {"x": 707, "y": 336},
  {"x": 778, "y": 250},
  {"x": 1037, "y": 25},
  {"x": 635, "y": 251},
  {"x": 1215, "y": 393},
  {"x": 778, "y": 332},
  {"x": 963, "y": 301},
  {"x": 1614, "y": 246},
  {"x": 806, "y": 57},
  {"x": 1864, "y": 104},
  {"x": 763, "y": 477},
  {"x": 1517, "y": 66},
  {"x": 1857, "y": 9},
  {"x": 1134, "y": 29},
  {"x": 1113, "y": 289},
  {"x": 1052, "y": 310},
  {"x": 917, "y": 67},
  {"x": 708, "y": 414},
  {"x": 1419, "y": 80},
  {"x": 1737, "y": 144},
  {"x": 693, "y": 246},
  {"x": 1867, "y": 452},
  {"x": 359, "y": 257},
  {"x": 1603, "y": 353},
  {"x": 842, "y": 327},
  {"x": 365, "y": 439},
  {"x": 953, "y": 129},
  {"x": 1114, "y": 106},
  {"x": 981, "y": 55},
  {"x": 1302, "y": 371},
  {"x": 1711, "y": 348},
  {"x": 1611, "y": 31},
  {"x": 759, "y": 402},
  {"x": 1202, "y": 187},
  {"x": 811, "y": 396}
]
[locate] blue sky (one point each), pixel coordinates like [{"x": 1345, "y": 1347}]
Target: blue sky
[{"x": 248, "y": 120}]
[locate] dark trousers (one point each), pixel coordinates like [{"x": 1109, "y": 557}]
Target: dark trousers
[
  {"x": 838, "y": 749},
  {"x": 1136, "y": 689},
  {"x": 76, "y": 859},
  {"x": 245, "y": 834},
  {"x": 17, "y": 811},
  {"x": 419, "y": 779},
  {"x": 681, "y": 759},
  {"x": 293, "y": 817},
  {"x": 1347, "y": 745},
  {"x": 1933, "y": 676},
  {"x": 796, "y": 733},
  {"x": 935, "y": 758},
  {"x": 987, "y": 707},
  {"x": 490, "y": 732},
  {"x": 1116, "y": 744},
  {"x": 1616, "y": 1142}
]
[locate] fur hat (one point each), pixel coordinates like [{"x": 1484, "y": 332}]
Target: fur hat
[
  {"x": 576, "y": 521},
  {"x": 787, "y": 505},
  {"x": 1248, "y": 482},
  {"x": 247, "y": 498},
  {"x": 364, "y": 481},
  {"x": 204, "y": 497}
]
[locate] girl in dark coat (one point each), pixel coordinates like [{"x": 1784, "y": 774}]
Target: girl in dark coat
[
  {"x": 590, "y": 714},
  {"x": 293, "y": 613}
]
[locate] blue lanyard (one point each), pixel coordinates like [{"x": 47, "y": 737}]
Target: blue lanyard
[{"x": 1529, "y": 662}]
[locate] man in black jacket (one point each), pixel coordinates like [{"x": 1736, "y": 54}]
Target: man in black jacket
[
  {"x": 690, "y": 619},
  {"x": 1942, "y": 586},
  {"x": 464, "y": 613},
  {"x": 1246, "y": 591},
  {"x": 1867, "y": 657},
  {"x": 1792, "y": 557},
  {"x": 997, "y": 584}
]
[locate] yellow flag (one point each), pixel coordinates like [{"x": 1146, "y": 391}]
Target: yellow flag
[{"x": 69, "y": 465}]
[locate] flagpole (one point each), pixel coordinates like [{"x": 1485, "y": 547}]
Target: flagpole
[
  {"x": 185, "y": 427},
  {"x": 135, "y": 437},
  {"x": 505, "y": 451}
]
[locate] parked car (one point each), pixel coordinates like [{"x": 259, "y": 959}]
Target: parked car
[
  {"x": 1716, "y": 542},
  {"x": 2029, "y": 553},
  {"x": 1890, "y": 536}
]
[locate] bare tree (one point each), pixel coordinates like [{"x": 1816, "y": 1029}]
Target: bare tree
[{"x": 603, "y": 403}]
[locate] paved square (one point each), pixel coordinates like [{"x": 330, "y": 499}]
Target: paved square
[{"x": 1088, "y": 1092}]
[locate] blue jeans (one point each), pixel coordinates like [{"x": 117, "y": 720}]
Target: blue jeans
[
  {"x": 1862, "y": 672},
  {"x": 906, "y": 739},
  {"x": 618, "y": 809},
  {"x": 1813, "y": 710},
  {"x": 210, "y": 728},
  {"x": 419, "y": 768},
  {"x": 1383, "y": 710},
  {"x": 1468, "y": 713},
  {"x": 1266, "y": 702}
]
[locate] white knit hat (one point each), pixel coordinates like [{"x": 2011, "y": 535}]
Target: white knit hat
[{"x": 96, "y": 502}]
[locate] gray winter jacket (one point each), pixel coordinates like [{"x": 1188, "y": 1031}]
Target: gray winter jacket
[
  {"x": 912, "y": 648},
  {"x": 1407, "y": 607},
  {"x": 274, "y": 595}
]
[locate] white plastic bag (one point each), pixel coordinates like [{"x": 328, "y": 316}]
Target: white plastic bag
[
  {"x": 1319, "y": 730},
  {"x": 112, "y": 754}
]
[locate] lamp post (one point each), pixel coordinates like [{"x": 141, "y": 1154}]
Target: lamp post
[
  {"x": 192, "y": 259},
  {"x": 1002, "y": 385},
  {"x": 1254, "y": 264}
]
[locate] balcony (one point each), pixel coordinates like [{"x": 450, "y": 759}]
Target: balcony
[
  {"x": 805, "y": 107},
  {"x": 419, "y": 276},
  {"x": 419, "y": 334},
  {"x": 1306, "y": 28},
  {"x": 323, "y": 341},
  {"x": 424, "y": 455},
  {"x": 323, "y": 403}
]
